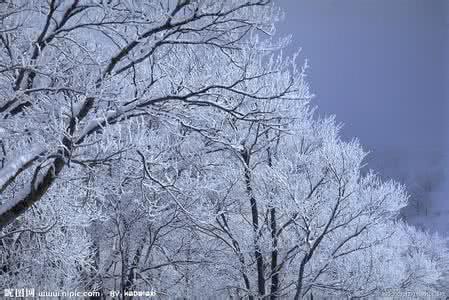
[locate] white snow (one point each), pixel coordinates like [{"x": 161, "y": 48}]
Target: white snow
[
  {"x": 24, "y": 192},
  {"x": 14, "y": 165}
]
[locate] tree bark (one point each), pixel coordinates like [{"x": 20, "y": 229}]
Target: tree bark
[
  {"x": 274, "y": 256},
  {"x": 255, "y": 221}
]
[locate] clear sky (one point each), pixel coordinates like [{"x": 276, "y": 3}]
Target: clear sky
[{"x": 381, "y": 66}]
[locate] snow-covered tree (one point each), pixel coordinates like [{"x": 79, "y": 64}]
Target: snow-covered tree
[
  {"x": 300, "y": 216},
  {"x": 70, "y": 70},
  {"x": 169, "y": 145}
]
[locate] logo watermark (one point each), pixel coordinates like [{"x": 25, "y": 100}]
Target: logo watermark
[
  {"x": 151, "y": 293},
  {"x": 24, "y": 293},
  {"x": 32, "y": 293}
]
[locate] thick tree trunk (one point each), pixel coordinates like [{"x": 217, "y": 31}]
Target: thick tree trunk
[
  {"x": 274, "y": 256},
  {"x": 300, "y": 278},
  {"x": 40, "y": 184},
  {"x": 255, "y": 221},
  {"x": 274, "y": 291}
]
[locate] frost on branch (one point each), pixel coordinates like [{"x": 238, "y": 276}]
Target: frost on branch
[
  {"x": 18, "y": 164},
  {"x": 180, "y": 154}
]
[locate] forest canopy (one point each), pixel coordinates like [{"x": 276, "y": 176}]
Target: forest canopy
[{"x": 172, "y": 146}]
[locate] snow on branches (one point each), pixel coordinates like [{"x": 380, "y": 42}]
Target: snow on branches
[{"x": 170, "y": 145}]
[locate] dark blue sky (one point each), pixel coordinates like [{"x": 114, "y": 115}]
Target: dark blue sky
[{"x": 381, "y": 66}]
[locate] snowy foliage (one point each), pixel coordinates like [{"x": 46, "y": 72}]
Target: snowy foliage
[{"x": 170, "y": 145}]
